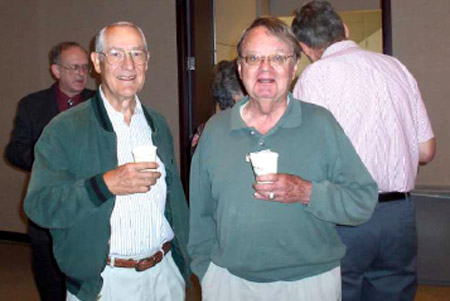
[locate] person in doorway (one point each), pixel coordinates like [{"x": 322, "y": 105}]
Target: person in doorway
[{"x": 226, "y": 89}]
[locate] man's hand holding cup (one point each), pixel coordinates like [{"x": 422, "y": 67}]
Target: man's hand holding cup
[{"x": 135, "y": 177}]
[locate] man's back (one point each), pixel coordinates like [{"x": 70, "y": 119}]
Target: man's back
[{"x": 377, "y": 102}]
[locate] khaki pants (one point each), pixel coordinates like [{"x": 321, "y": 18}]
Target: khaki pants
[
  {"x": 162, "y": 282},
  {"x": 220, "y": 285}
]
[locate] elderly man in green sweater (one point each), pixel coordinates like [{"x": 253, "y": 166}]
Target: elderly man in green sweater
[
  {"x": 119, "y": 227},
  {"x": 273, "y": 237}
]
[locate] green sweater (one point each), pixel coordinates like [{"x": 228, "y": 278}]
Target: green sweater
[
  {"x": 266, "y": 241},
  {"x": 67, "y": 193}
]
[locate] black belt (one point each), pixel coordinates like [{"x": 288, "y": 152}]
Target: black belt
[{"x": 392, "y": 196}]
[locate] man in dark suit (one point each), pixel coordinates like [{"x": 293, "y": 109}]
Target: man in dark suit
[{"x": 69, "y": 66}]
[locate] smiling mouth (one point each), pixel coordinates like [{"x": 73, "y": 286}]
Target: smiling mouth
[{"x": 126, "y": 78}]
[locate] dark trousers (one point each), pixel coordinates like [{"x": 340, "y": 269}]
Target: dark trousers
[
  {"x": 49, "y": 280},
  {"x": 380, "y": 263}
]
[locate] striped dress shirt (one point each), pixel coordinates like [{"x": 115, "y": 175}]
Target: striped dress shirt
[
  {"x": 377, "y": 102},
  {"x": 138, "y": 224}
]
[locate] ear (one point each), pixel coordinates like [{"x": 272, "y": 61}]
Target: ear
[
  {"x": 294, "y": 70},
  {"x": 146, "y": 63},
  {"x": 312, "y": 53},
  {"x": 56, "y": 71},
  {"x": 239, "y": 68},
  {"x": 305, "y": 49},
  {"x": 347, "y": 31},
  {"x": 95, "y": 58}
]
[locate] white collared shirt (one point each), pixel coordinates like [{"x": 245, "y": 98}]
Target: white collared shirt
[{"x": 138, "y": 224}]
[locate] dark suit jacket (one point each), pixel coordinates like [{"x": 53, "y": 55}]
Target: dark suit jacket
[{"x": 34, "y": 112}]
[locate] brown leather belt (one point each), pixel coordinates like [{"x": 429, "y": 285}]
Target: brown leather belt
[
  {"x": 141, "y": 264},
  {"x": 392, "y": 196}
]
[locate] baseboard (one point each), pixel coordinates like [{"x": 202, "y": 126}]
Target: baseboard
[
  {"x": 14, "y": 236},
  {"x": 433, "y": 282}
]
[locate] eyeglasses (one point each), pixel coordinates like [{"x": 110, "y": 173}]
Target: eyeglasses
[
  {"x": 117, "y": 56},
  {"x": 76, "y": 68},
  {"x": 273, "y": 59}
]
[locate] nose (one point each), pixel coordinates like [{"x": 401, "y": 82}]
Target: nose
[
  {"x": 128, "y": 62},
  {"x": 265, "y": 63},
  {"x": 81, "y": 71}
]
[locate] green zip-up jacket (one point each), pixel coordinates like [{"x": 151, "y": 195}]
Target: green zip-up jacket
[
  {"x": 268, "y": 241},
  {"x": 67, "y": 193}
]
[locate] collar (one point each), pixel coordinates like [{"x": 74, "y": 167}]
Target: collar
[
  {"x": 339, "y": 47},
  {"x": 113, "y": 114},
  {"x": 101, "y": 114},
  {"x": 291, "y": 118},
  {"x": 63, "y": 99}
]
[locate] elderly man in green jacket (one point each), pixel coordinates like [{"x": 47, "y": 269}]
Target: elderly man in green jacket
[{"x": 119, "y": 227}]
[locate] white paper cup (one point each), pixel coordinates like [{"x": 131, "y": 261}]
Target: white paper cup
[
  {"x": 144, "y": 153},
  {"x": 264, "y": 162}
]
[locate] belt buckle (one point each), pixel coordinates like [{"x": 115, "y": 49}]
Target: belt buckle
[{"x": 143, "y": 264}]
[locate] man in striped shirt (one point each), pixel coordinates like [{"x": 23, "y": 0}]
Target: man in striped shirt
[
  {"x": 119, "y": 227},
  {"x": 378, "y": 104}
]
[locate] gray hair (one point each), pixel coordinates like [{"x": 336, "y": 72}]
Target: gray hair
[
  {"x": 100, "y": 37},
  {"x": 226, "y": 84},
  {"x": 276, "y": 27},
  {"x": 318, "y": 25},
  {"x": 55, "y": 53}
]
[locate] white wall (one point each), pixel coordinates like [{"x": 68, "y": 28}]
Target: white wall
[
  {"x": 30, "y": 28},
  {"x": 421, "y": 41}
]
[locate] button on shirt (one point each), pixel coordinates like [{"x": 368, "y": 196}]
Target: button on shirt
[
  {"x": 377, "y": 102},
  {"x": 138, "y": 224},
  {"x": 65, "y": 102}
]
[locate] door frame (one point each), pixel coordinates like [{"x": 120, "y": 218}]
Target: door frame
[{"x": 195, "y": 43}]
